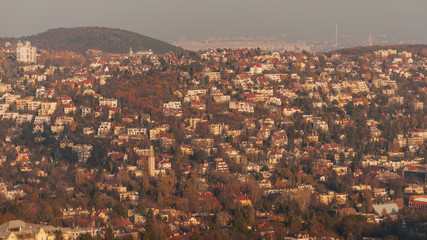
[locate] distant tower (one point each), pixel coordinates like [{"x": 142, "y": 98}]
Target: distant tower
[
  {"x": 370, "y": 40},
  {"x": 336, "y": 35},
  {"x": 151, "y": 163}
]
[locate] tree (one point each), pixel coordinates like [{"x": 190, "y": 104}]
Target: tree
[
  {"x": 367, "y": 200},
  {"x": 153, "y": 230},
  {"x": 109, "y": 234},
  {"x": 120, "y": 210},
  {"x": 85, "y": 236},
  {"x": 58, "y": 235},
  {"x": 223, "y": 218}
]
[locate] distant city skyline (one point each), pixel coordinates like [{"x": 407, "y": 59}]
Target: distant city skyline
[{"x": 196, "y": 19}]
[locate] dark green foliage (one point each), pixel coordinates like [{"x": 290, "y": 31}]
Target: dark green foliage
[{"x": 81, "y": 39}]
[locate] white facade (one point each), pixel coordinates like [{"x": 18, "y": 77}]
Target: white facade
[
  {"x": 26, "y": 53},
  {"x": 110, "y": 102},
  {"x": 151, "y": 163},
  {"x": 241, "y": 106}
]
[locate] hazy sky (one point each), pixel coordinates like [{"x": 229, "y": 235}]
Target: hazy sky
[{"x": 171, "y": 19}]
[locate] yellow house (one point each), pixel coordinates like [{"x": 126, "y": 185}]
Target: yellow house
[{"x": 20, "y": 230}]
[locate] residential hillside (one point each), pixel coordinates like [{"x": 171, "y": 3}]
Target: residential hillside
[
  {"x": 420, "y": 48},
  {"x": 216, "y": 144},
  {"x": 80, "y": 39}
]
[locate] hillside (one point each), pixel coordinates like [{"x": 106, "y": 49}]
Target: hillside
[
  {"x": 80, "y": 39},
  {"x": 419, "y": 48}
]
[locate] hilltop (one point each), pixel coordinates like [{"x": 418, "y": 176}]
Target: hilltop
[{"x": 80, "y": 39}]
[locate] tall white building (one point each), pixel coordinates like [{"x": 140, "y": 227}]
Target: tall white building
[{"x": 26, "y": 53}]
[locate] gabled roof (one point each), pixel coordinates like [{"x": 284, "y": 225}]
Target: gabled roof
[{"x": 389, "y": 208}]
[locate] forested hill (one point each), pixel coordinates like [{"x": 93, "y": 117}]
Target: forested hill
[{"x": 80, "y": 39}]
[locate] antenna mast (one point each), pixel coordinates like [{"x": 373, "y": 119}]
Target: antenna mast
[{"x": 336, "y": 35}]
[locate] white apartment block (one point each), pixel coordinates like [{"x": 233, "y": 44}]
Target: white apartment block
[
  {"x": 242, "y": 106},
  {"x": 33, "y": 106},
  {"x": 26, "y": 53},
  {"x": 173, "y": 105},
  {"x": 110, "y": 102}
]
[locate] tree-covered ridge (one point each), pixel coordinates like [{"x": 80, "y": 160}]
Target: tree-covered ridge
[{"x": 81, "y": 39}]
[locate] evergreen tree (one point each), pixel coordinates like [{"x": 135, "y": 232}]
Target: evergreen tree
[{"x": 109, "y": 234}]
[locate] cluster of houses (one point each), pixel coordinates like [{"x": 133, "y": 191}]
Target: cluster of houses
[{"x": 289, "y": 105}]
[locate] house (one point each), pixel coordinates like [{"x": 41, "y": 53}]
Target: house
[
  {"x": 243, "y": 200},
  {"x": 119, "y": 130},
  {"x": 47, "y": 108},
  {"x": 101, "y": 214},
  {"x": 66, "y": 143},
  {"x": 23, "y": 157},
  {"x": 83, "y": 151},
  {"x": 118, "y": 156},
  {"x": 17, "y": 229},
  {"x": 104, "y": 128},
  {"x": 333, "y": 147},
  {"x": 64, "y": 120},
  {"x": 218, "y": 129},
  {"x": 3, "y": 158},
  {"x": 64, "y": 99},
  {"x": 289, "y": 111},
  {"x": 212, "y": 76},
  {"x": 136, "y": 131},
  {"x": 190, "y": 221},
  {"x": 108, "y": 102},
  {"x": 385, "y": 209},
  {"x": 166, "y": 143},
  {"x": 73, "y": 212},
  {"x": 418, "y": 202},
  {"x": 241, "y": 106},
  {"x": 172, "y": 109},
  {"x": 164, "y": 164},
  {"x": 273, "y": 77},
  {"x": 255, "y": 69},
  {"x": 320, "y": 125},
  {"x": 41, "y": 120},
  {"x": 414, "y": 189},
  {"x": 221, "y": 98},
  {"x": 121, "y": 223},
  {"x": 299, "y": 237},
  {"x": 198, "y": 104},
  {"x": 38, "y": 128},
  {"x": 24, "y": 118},
  {"x": 129, "y": 195},
  {"x": 70, "y": 108},
  {"x": 221, "y": 165},
  {"x": 85, "y": 111},
  {"x": 279, "y": 139},
  {"x": 174, "y": 105},
  {"x": 88, "y": 130},
  {"x": 346, "y": 211},
  {"x": 33, "y": 106},
  {"x": 331, "y": 195}
]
